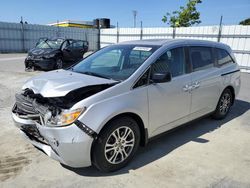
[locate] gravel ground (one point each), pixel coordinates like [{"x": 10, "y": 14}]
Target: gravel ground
[{"x": 205, "y": 153}]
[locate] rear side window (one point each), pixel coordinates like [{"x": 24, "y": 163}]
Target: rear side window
[
  {"x": 172, "y": 61},
  {"x": 223, "y": 57},
  {"x": 201, "y": 58}
]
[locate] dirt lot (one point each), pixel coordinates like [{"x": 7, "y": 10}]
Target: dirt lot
[{"x": 206, "y": 153}]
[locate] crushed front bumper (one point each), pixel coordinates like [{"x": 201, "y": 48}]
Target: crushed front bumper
[
  {"x": 43, "y": 64},
  {"x": 68, "y": 145}
]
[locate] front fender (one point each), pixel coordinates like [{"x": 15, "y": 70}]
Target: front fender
[{"x": 135, "y": 101}]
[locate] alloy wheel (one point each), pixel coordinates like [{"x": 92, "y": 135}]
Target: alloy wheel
[
  {"x": 225, "y": 103},
  {"x": 119, "y": 145},
  {"x": 59, "y": 63}
]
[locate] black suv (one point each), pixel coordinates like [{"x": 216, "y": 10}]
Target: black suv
[{"x": 52, "y": 54}]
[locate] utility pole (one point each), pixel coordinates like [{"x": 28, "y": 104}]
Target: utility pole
[
  {"x": 134, "y": 14},
  {"x": 21, "y": 22}
]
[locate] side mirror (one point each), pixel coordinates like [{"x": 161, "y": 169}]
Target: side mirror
[{"x": 161, "y": 77}]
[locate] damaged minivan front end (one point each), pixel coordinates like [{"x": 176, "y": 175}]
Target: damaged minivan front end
[
  {"x": 94, "y": 112},
  {"x": 51, "y": 123}
]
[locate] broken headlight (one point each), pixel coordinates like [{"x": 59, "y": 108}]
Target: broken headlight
[{"x": 66, "y": 117}]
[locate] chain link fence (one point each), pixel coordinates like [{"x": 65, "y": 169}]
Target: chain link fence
[{"x": 17, "y": 37}]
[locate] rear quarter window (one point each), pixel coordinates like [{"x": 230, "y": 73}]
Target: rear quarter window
[{"x": 223, "y": 57}]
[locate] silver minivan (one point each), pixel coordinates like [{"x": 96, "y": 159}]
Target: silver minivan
[{"x": 102, "y": 109}]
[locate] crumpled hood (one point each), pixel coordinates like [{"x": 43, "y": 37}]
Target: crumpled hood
[{"x": 60, "y": 82}]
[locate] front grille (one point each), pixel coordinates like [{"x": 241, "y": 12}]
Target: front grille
[
  {"x": 24, "y": 105},
  {"x": 29, "y": 108}
]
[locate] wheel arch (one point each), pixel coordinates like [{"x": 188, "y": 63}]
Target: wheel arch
[{"x": 139, "y": 121}]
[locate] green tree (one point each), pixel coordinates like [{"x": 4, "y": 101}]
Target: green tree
[
  {"x": 185, "y": 17},
  {"x": 245, "y": 22}
]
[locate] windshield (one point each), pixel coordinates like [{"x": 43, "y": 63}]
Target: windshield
[
  {"x": 116, "y": 62},
  {"x": 54, "y": 44}
]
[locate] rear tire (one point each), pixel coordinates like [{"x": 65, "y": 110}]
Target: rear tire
[
  {"x": 224, "y": 105},
  {"x": 116, "y": 144},
  {"x": 29, "y": 67}
]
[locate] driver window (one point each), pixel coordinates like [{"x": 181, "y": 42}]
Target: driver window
[{"x": 172, "y": 61}]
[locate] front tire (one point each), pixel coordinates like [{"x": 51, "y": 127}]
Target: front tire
[
  {"x": 59, "y": 63},
  {"x": 116, "y": 145},
  {"x": 224, "y": 105}
]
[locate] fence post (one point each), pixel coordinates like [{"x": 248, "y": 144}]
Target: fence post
[
  {"x": 22, "y": 34},
  {"x": 141, "y": 34},
  {"x": 117, "y": 32},
  {"x": 98, "y": 37},
  {"x": 220, "y": 29},
  {"x": 174, "y": 30},
  {"x": 58, "y": 30},
  {"x": 86, "y": 35}
]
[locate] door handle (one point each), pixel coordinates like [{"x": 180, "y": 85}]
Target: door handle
[
  {"x": 196, "y": 85},
  {"x": 192, "y": 87},
  {"x": 186, "y": 88}
]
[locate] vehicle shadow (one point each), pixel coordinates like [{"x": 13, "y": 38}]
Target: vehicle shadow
[{"x": 161, "y": 146}]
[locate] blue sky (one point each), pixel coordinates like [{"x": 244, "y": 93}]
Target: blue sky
[{"x": 150, "y": 12}]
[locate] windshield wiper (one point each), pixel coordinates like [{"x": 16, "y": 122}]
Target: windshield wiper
[
  {"x": 95, "y": 74},
  {"x": 48, "y": 44}
]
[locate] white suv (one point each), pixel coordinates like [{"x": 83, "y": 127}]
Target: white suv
[{"x": 100, "y": 110}]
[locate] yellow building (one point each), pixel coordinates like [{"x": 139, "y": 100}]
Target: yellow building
[{"x": 70, "y": 23}]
